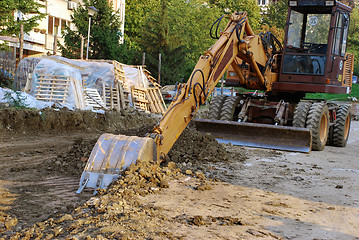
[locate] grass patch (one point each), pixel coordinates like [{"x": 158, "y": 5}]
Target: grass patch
[{"x": 336, "y": 97}]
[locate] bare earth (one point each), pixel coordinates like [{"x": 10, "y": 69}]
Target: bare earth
[
  {"x": 276, "y": 194},
  {"x": 263, "y": 194}
]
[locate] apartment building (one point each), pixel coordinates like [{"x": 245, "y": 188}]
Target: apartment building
[
  {"x": 264, "y": 3},
  {"x": 41, "y": 39},
  {"x": 119, "y": 5}
]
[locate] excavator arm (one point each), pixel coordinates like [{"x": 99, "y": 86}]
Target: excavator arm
[
  {"x": 236, "y": 41},
  {"x": 113, "y": 153}
]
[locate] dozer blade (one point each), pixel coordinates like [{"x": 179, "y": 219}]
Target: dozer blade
[
  {"x": 257, "y": 135},
  {"x": 111, "y": 155}
]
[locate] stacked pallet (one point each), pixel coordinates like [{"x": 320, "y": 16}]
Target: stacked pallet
[
  {"x": 93, "y": 99},
  {"x": 150, "y": 78},
  {"x": 139, "y": 99},
  {"x": 52, "y": 88},
  {"x": 120, "y": 75},
  {"x": 114, "y": 97},
  {"x": 148, "y": 99},
  {"x": 117, "y": 94}
]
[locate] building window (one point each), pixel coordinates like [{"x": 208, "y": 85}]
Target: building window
[
  {"x": 262, "y": 2},
  {"x": 55, "y": 25},
  {"x": 63, "y": 24},
  {"x": 50, "y": 29}
]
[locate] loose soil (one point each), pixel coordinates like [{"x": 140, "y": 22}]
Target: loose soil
[{"x": 203, "y": 191}]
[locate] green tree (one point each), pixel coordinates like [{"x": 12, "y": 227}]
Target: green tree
[
  {"x": 250, "y": 6},
  {"x": 137, "y": 12},
  {"x": 276, "y": 14},
  {"x": 275, "y": 18},
  {"x": 179, "y": 31},
  {"x": 105, "y": 33},
  {"x": 353, "y": 38},
  {"x": 10, "y": 24}
]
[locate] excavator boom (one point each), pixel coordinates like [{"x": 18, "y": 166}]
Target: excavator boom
[
  {"x": 110, "y": 154},
  {"x": 257, "y": 61}
]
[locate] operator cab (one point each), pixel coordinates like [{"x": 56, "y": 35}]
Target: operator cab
[{"x": 314, "y": 53}]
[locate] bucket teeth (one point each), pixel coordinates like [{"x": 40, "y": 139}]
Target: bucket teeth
[{"x": 111, "y": 155}]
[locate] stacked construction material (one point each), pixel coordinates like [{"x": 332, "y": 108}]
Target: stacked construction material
[{"x": 94, "y": 84}]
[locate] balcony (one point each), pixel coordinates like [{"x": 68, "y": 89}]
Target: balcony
[{"x": 35, "y": 37}]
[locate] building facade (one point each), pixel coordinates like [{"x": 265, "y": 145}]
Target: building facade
[
  {"x": 264, "y": 3},
  {"x": 120, "y": 6},
  {"x": 41, "y": 40}
]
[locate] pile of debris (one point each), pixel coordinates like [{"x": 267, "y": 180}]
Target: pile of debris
[
  {"x": 114, "y": 213},
  {"x": 65, "y": 120}
]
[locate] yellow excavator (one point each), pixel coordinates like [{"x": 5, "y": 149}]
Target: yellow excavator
[{"x": 313, "y": 59}]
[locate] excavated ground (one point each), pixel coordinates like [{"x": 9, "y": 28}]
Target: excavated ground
[{"x": 204, "y": 190}]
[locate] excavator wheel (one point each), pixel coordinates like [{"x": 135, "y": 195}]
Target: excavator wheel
[
  {"x": 229, "y": 108},
  {"x": 216, "y": 106},
  {"x": 301, "y": 113},
  {"x": 318, "y": 122},
  {"x": 341, "y": 127}
]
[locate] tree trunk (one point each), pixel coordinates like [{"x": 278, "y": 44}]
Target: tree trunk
[
  {"x": 159, "y": 69},
  {"x": 21, "y": 42},
  {"x": 82, "y": 48}
]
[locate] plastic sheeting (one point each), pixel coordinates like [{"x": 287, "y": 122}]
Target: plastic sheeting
[
  {"x": 28, "y": 100},
  {"x": 91, "y": 74},
  {"x": 24, "y": 68}
]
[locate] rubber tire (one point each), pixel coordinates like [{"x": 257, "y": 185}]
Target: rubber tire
[
  {"x": 341, "y": 126},
  {"x": 229, "y": 108},
  {"x": 215, "y": 106},
  {"x": 300, "y": 114},
  {"x": 318, "y": 123}
]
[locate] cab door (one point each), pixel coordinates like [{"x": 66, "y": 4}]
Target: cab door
[{"x": 338, "y": 60}]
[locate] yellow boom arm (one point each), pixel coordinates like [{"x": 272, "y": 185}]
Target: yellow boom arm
[
  {"x": 114, "y": 153},
  {"x": 210, "y": 68}
]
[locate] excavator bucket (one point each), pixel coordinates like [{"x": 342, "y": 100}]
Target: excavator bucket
[
  {"x": 111, "y": 155},
  {"x": 257, "y": 135}
]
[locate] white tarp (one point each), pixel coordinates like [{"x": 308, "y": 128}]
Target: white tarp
[
  {"x": 27, "y": 100},
  {"x": 90, "y": 73}
]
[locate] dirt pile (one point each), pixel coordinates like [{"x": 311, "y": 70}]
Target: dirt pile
[
  {"x": 74, "y": 161},
  {"x": 193, "y": 146},
  {"x": 64, "y": 120},
  {"x": 189, "y": 152},
  {"x": 193, "y": 150},
  {"x": 114, "y": 213},
  {"x": 200, "y": 220}
]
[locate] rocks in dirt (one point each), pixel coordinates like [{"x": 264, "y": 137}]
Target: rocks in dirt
[
  {"x": 339, "y": 186},
  {"x": 298, "y": 178},
  {"x": 204, "y": 186},
  {"x": 115, "y": 212},
  {"x": 200, "y": 175},
  {"x": 171, "y": 165},
  {"x": 10, "y": 222},
  {"x": 66, "y": 217},
  {"x": 164, "y": 183},
  {"x": 74, "y": 160},
  {"x": 198, "y": 220},
  {"x": 193, "y": 148},
  {"x": 142, "y": 177}
]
